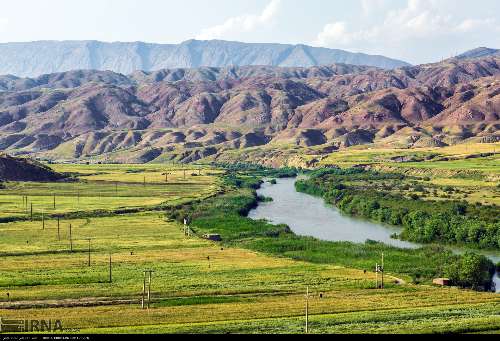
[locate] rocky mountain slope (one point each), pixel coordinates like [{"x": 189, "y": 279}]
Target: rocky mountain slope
[
  {"x": 479, "y": 52},
  {"x": 42, "y": 57},
  {"x": 20, "y": 169},
  {"x": 190, "y": 114}
]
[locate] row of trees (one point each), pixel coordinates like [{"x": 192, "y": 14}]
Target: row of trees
[
  {"x": 422, "y": 221},
  {"x": 258, "y": 170}
]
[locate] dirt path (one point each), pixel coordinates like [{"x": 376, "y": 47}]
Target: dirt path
[
  {"x": 397, "y": 280},
  {"x": 67, "y": 303}
]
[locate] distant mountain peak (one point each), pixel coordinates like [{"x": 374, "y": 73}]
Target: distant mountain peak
[
  {"x": 32, "y": 59},
  {"x": 479, "y": 53}
]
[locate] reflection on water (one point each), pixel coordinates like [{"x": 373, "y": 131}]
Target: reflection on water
[{"x": 310, "y": 216}]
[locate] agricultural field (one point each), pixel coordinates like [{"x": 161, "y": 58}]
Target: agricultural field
[
  {"x": 367, "y": 154},
  {"x": 106, "y": 187},
  {"x": 236, "y": 291},
  {"x": 198, "y": 286},
  {"x": 469, "y": 172}
]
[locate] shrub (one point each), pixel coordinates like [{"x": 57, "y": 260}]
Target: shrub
[
  {"x": 419, "y": 188},
  {"x": 471, "y": 271},
  {"x": 448, "y": 189}
]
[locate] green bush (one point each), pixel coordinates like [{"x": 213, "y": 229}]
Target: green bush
[{"x": 471, "y": 271}]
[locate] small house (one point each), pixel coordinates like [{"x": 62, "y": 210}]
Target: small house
[{"x": 444, "y": 282}]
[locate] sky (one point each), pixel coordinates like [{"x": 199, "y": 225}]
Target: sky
[{"x": 417, "y": 31}]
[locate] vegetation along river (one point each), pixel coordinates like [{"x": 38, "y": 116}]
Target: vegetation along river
[{"x": 311, "y": 216}]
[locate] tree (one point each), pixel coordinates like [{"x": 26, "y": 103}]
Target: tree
[{"x": 471, "y": 271}]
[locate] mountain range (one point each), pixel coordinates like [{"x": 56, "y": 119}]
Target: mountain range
[
  {"x": 188, "y": 114},
  {"x": 33, "y": 59}
]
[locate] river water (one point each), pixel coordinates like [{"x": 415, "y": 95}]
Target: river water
[{"x": 312, "y": 217}]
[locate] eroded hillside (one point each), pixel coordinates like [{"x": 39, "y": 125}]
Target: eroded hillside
[{"x": 191, "y": 114}]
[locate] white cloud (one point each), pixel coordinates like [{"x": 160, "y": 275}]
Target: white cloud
[
  {"x": 419, "y": 19},
  {"x": 243, "y": 23}
]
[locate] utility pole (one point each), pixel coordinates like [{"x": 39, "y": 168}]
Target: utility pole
[
  {"x": 376, "y": 274},
  {"x": 149, "y": 289},
  {"x": 70, "y": 239},
  {"x": 382, "y": 270},
  {"x": 143, "y": 304},
  {"x": 143, "y": 290},
  {"x": 307, "y": 311},
  {"x": 144, "y": 181},
  {"x": 54, "y": 201},
  {"x": 43, "y": 221},
  {"x": 31, "y": 211},
  {"x": 89, "y": 250},
  {"x": 110, "y": 269}
]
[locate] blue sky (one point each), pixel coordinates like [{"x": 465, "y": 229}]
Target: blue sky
[{"x": 417, "y": 31}]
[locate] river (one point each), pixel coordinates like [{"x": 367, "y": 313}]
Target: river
[{"x": 312, "y": 217}]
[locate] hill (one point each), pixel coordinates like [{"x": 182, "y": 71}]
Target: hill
[
  {"x": 190, "y": 114},
  {"x": 17, "y": 169},
  {"x": 479, "y": 53}
]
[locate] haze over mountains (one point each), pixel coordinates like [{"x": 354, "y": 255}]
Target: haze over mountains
[
  {"x": 33, "y": 59},
  {"x": 191, "y": 114}
]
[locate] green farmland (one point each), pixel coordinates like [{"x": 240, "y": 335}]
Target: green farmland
[{"x": 198, "y": 286}]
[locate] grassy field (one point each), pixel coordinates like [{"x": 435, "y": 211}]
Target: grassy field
[
  {"x": 239, "y": 291},
  {"x": 364, "y": 154},
  {"x": 473, "y": 169},
  {"x": 198, "y": 286},
  {"x": 106, "y": 187}
]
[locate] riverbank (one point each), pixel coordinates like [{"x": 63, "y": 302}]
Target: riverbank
[
  {"x": 226, "y": 215},
  {"x": 398, "y": 200},
  {"x": 311, "y": 216},
  {"x": 371, "y": 195}
]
